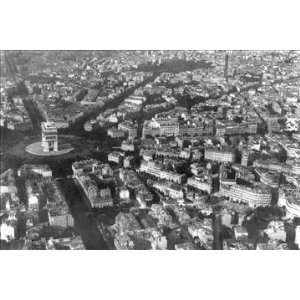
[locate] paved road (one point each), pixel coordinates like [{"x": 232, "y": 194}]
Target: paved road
[
  {"x": 217, "y": 228},
  {"x": 84, "y": 222},
  {"x": 34, "y": 114}
]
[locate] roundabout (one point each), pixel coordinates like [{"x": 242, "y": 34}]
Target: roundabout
[
  {"x": 37, "y": 149},
  {"x": 49, "y": 144}
]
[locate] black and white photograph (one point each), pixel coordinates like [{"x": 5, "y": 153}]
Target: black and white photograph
[
  {"x": 150, "y": 150},
  {"x": 130, "y": 130}
]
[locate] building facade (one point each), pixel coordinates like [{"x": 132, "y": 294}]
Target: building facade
[
  {"x": 220, "y": 155},
  {"x": 253, "y": 196},
  {"x": 49, "y": 137}
]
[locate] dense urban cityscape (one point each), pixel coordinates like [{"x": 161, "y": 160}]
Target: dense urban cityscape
[{"x": 150, "y": 150}]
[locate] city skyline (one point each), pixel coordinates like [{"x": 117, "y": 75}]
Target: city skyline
[{"x": 150, "y": 149}]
